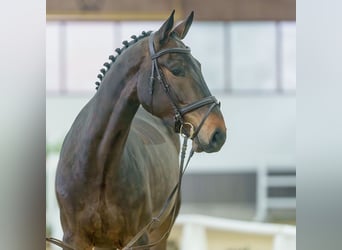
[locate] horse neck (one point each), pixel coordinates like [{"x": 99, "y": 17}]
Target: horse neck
[{"x": 115, "y": 105}]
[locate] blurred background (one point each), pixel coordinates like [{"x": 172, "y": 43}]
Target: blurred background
[{"x": 243, "y": 197}]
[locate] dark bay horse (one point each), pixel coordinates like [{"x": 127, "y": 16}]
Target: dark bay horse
[{"x": 120, "y": 159}]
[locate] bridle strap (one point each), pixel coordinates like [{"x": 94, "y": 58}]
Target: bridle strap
[
  {"x": 155, "y": 70},
  {"x": 168, "y": 51},
  {"x": 196, "y": 105},
  {"x": 59, "y": 243},
  {"x": 206, "y": 101},
  {"x": 175, "y": 191},
  {"x": 179, "y": 112},
  {"x": 155, "y": 55}
]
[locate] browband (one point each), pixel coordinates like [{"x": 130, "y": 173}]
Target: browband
[{"x": 155, "y": 55}]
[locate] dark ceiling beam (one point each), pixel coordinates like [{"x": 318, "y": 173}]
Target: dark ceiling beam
[
  {"x": 233, "y": 10},
  {"x": 213, "y": 10}
]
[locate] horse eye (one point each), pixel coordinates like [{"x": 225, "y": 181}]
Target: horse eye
[{"x": 177, "y": 71}]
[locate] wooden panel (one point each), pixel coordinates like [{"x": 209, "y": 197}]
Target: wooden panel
[
  {"x": 213, "y": 10},
  {"x": 232, "y": 10},
  {"x": 109, "y": 10}
]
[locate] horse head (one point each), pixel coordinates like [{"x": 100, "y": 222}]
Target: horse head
[{"x": 177, "y": 91}]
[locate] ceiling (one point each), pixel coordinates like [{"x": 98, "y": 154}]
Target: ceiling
[{"x": 213, "y": 10}]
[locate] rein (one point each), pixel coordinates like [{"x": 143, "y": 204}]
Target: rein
[
  {"x": 175, "y": 193},
  {"x": 180, "y": 124}
]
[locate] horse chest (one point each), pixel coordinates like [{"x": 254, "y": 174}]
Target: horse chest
[{"x": 107, "y": 219}]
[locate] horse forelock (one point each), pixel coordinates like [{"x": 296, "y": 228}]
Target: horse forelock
[{"x": 113, "y": 58}]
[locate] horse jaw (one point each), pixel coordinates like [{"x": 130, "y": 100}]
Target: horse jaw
[{"x": 196, "y": 147}]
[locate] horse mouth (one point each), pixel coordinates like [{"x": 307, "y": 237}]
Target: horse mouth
[
  {"x": 199, "y": 147},
  {"x": 196, "y": 146},
  {"x": 214, "y": 145}
]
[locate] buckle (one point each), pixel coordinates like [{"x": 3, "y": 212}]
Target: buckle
[{"x": 191, "y": 130}]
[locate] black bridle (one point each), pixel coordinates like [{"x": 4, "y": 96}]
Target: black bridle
[{"x": 157, "y": 73}]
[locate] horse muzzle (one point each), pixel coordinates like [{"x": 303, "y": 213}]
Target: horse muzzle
[{"x": 213, "y": 144}]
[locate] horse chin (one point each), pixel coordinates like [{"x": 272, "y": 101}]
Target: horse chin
[
  {"x": 199, "y": 146},
  {"x": 196, "y": 146}
]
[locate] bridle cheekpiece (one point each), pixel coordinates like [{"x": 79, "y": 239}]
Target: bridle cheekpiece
[{"x": 156, "y": 73}]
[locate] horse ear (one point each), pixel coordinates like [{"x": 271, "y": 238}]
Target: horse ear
[
  {"x": 182, "y": 28},
  {"x": 165, "y": 30}
]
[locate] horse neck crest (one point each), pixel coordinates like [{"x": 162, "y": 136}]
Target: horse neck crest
[{"x": 112, "y": 58}]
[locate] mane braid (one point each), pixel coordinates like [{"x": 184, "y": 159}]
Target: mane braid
[{"x": 112, "y": 58}]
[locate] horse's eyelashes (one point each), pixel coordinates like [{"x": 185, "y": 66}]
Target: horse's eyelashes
[{"x": 177, "y": 71}]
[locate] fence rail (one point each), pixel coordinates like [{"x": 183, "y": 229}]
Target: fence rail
[{"x": 195, "y": 233}]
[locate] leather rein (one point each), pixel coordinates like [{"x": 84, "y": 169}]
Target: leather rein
[{"x": 180, "y": 124}]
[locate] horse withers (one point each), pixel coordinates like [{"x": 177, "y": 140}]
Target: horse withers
[{"x": 120, "y": 159}]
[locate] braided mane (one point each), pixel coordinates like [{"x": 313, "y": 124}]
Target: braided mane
[{"x": 112, "y": 58}]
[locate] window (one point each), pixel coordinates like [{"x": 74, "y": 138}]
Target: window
[
  {"x": 206, "y": 40},
  {"x": 87, "y": 47},
  {"x": 236, "y": 57},
  {"x": 289, "y": 55},
  {"x": 53, "y": 59},
  {"x": 253, "y": 56}
]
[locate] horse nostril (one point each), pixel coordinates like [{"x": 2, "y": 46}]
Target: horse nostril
[{"x": 217, "y": 139}]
